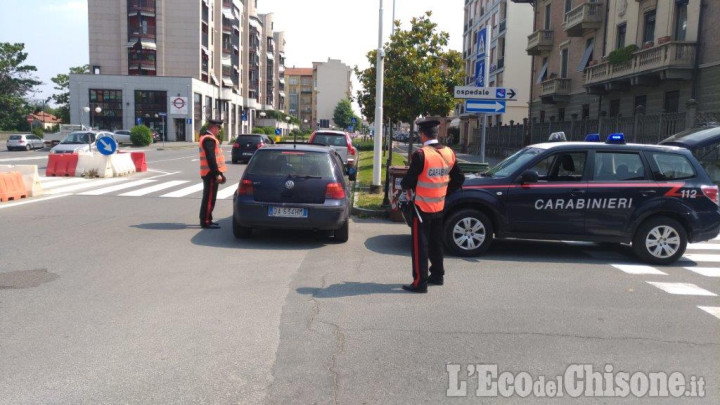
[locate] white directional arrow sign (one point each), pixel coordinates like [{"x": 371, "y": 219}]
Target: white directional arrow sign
[
  {"x": 485, "y": 106},
  {"x": 105, "y": 145}
]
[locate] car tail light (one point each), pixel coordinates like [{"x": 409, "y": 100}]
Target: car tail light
[
  {"x": 351, "y": 150},
  {"x": 334, "y": 191},
  {"x": 21, "y": 141},
  {"x": 236, "y": 146},
  {"x": 710, "y": 192},
  {"x": 246, "y": 187}
]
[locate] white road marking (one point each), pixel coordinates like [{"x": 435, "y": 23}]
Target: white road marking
[
  {"x": 710, "y": 258},
  {"x": 638, "y": 269},
  {"x": 184, "y": 191},
  {"x": 705, "y": 271},
  {"x": 170, "y": 160},
  {"x": 24, "y": 158},
  {"x": 87, "y": 184},
  {"x": 155, "y": 188},
  {"x": 123, "y": 186},
  {"x": 11, "y": 204},
  {"x": 227, "y": 192},
  {"x": 704, "y": 246},
  {"x": 64, "y": 181},
  {"x": 682, "y": 289},
  {"x": 717, "y": 237},
  {"x": 714, "y": 311}
]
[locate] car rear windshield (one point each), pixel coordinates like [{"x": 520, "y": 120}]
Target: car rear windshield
[
  {"x": 249, "y": 139},
  {"x": 15, "y": 137},
  {"x": 672, "y": 166},
  {"x": 267, "y": 162},
  {"x": 330, "y": 139}
]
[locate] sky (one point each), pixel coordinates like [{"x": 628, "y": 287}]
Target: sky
[{"x": 55, "y": 32}]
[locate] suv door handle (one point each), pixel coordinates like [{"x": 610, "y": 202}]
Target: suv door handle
[
  {"x": 578, "y": 191},
  {"x": 648, "y": 193}
]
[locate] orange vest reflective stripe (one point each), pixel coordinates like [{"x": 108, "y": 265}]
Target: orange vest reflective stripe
[
  {"x": 433, "y": 180},
  {"x": 204, "y": 167}
]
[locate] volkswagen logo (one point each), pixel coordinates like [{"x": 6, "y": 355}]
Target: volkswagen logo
[{"x": 289, "y": 184}]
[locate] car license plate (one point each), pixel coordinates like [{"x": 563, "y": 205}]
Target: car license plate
[
  {"x": 287, "y": 212},
  {"x": 247, "y": 154}
]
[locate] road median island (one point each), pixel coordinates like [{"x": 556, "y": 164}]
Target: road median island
[{"x": 365, "y": 203}]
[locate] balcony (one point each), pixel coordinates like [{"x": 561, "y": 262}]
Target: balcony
[
  {"x": 647, "y": 67},
  {"x": 585, "y": 17},
  {"x": 136, "y": 33},
  {"x": 555, "y": 90},
  {"x": 144, "y": 7},
  {"x": 539, "y": 42}
]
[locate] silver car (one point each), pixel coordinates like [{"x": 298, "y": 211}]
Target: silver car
[
  {"x": 122, "y": 136},
  {"x": 24, "y": 142},
  {"x": 80, "y": 141}
]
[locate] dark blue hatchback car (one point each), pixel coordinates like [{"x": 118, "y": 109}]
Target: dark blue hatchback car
[{"x": 293, "y": 186}]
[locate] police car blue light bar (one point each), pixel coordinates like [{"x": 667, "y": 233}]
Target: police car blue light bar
[
  {"x": 592, "y": 138},
  {"x": 617, "y": 138}
]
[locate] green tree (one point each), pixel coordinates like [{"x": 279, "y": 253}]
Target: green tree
[
  {"x": 343, "y": 114},
  {"x": 419, "y": 74},
  {"x": 16, "y": 82},
  {"x": 62, "y": 84}
]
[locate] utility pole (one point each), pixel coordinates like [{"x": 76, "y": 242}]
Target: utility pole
[
  {"x": 386, "y": 199},
  {"x": 377, "y": 147}
]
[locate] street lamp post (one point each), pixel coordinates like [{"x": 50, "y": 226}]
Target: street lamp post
[
  {"x": 87, "y": 110},
  {"x": 98, "y": 110},
  {"x": 287, "y": 119},
  {"x": 377, "y": 147}
]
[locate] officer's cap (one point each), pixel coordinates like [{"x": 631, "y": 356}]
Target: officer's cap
[
  {"x": 427, "y": 123},
  {"x": 215, "y": 122}
]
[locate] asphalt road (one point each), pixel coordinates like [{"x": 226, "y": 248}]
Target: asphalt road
[{"x": 111, "y": 293}]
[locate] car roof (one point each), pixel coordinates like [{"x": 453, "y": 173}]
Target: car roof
[
  {"x": 329, "y": 132},
  {"x": 302, "y": 147},
  {"x": 695, "y": 137},
  {"x": 602, "y": 145}
]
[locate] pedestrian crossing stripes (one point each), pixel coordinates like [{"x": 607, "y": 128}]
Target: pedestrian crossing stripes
[
  {"x": 714, "y": 311},
  {"x": 227, "y": 192},
  {"x": 125, "y": 187},
  {"x": 705, "y": 271},
  {"x": 152, "y": 189},
  {"x": 638, "y": 269},
  {"x": 682, "y": 289}
]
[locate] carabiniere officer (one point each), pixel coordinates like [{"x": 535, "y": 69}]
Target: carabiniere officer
[
  {"x": 212, "y": 169},
  {"x": 433, "y": 173}
]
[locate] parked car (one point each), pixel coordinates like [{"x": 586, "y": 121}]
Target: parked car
[
  {"x": 657, "y": 198},
  {"x": 341, "y": 142},
  {"x": 245, "y": 146},
  {"x": 704, "y": 144},
  {"x": 293, "y": 187},
  {"x": 80, "y": 141},
  {"x": 24, "y": 142},
  {"x": 122, "y": 136}
]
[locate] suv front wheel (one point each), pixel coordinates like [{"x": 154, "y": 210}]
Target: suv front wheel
[
  {"x": 660, "y": 241},
  {"x": 468, "y": 232}
]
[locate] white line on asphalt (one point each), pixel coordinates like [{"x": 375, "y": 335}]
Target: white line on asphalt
[
  {"x": 701, "y": 258},
  {"x": 11, "y": 204},
  {"x": 64, "y": 181},
  {"x": 682, "y": 289},
  {"x": 170, "y": 160},
  {"x": 152, "y": 189},
  {"x": 45, "y": 179},
  {"x": 714, "y": 311},
  {"x": 184, "y": 191},
  {"x": 717, "y": 237},
  {"x": 706, "y": 271},
  {"x": 638, "y": 269},
  {"x": 114, "y": 188},
  {"x": 227, "y": 192},
  {"x": 88, "y": 184},
  {"x": 703, "y": 246},
  {"x": 23, "y": 158}
]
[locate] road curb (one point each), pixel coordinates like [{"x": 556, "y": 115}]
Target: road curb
[{"x": 355, "y": 210}]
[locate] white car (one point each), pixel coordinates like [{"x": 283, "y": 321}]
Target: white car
[
  {"x": 80, "y": 141},
  {"x": 24, "y": 142},
  {"x": 122, "y": 136}
]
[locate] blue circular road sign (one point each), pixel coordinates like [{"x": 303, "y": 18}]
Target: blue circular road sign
[{"x": 106, "y": 145}]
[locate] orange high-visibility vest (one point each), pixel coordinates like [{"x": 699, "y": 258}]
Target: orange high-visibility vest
[
  {"x": 204, "y": 167},
  {"x": 434, "y": 179}
]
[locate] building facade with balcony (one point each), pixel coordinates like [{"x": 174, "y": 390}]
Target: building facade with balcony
[
  {"x": 299, "y": 102},
  {"x": 212, "y": 46},
  {"x": 617, "y": 58},
  {"x": 508, "y": 64}
]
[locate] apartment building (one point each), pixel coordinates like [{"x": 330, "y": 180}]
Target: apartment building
[
  {"x": 509, "y": 65},
  {"x": 300, "y": 95},
  {"x": 332, "y": 84},
  {"x": 618, "y": 58},
  {"x": 172, "y": 65}
]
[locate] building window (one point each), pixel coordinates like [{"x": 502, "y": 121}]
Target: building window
[
  {"x": 672, "y": 101},
  {"x": 680, "y": 21},
  {"x": 621, "y": 31},
  {"x": 111, "y": 116},
  {"x": 649, "y": 30},
  {"x": 208, "y": 108},
  {"x": 640, "y": 101},
  {"x": 543, "y": 71},
  {"x": 568, "y": 6},
  {"x": 548, "y": 16},
  {"x": 96, "y": 70},
  {"x": 564, "y": 63},
  {"x": 561, "y": 114},
  {"x": 614, "y": 107},
  {"x": 587, "y": 55},
  {"x": 585, "y": 111},
  {"x": 149, "y": 109},
  {"x": 197, "y": 110},
  {"x": 141, "y": 62}
]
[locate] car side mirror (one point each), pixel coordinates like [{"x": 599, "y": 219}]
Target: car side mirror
[{"x": 529, "y": 176}]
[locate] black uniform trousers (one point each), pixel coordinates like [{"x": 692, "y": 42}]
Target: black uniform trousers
[
  {"x": 427, "y": 244},
  {"x": 210, "y": 190}
]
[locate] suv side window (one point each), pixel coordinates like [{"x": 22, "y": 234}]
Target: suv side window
[
  {"x": 562, "y": 166},
  {"x": 618, "y": 166},
  {"x": 672, "y": 166}
]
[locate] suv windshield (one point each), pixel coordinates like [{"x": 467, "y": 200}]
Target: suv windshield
[
  {"x": 514, "y": 162},
  {"x": 330, "y": 139},
  {"x": 268, "y": 162},
  {"x": 78, "y": 138}
]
